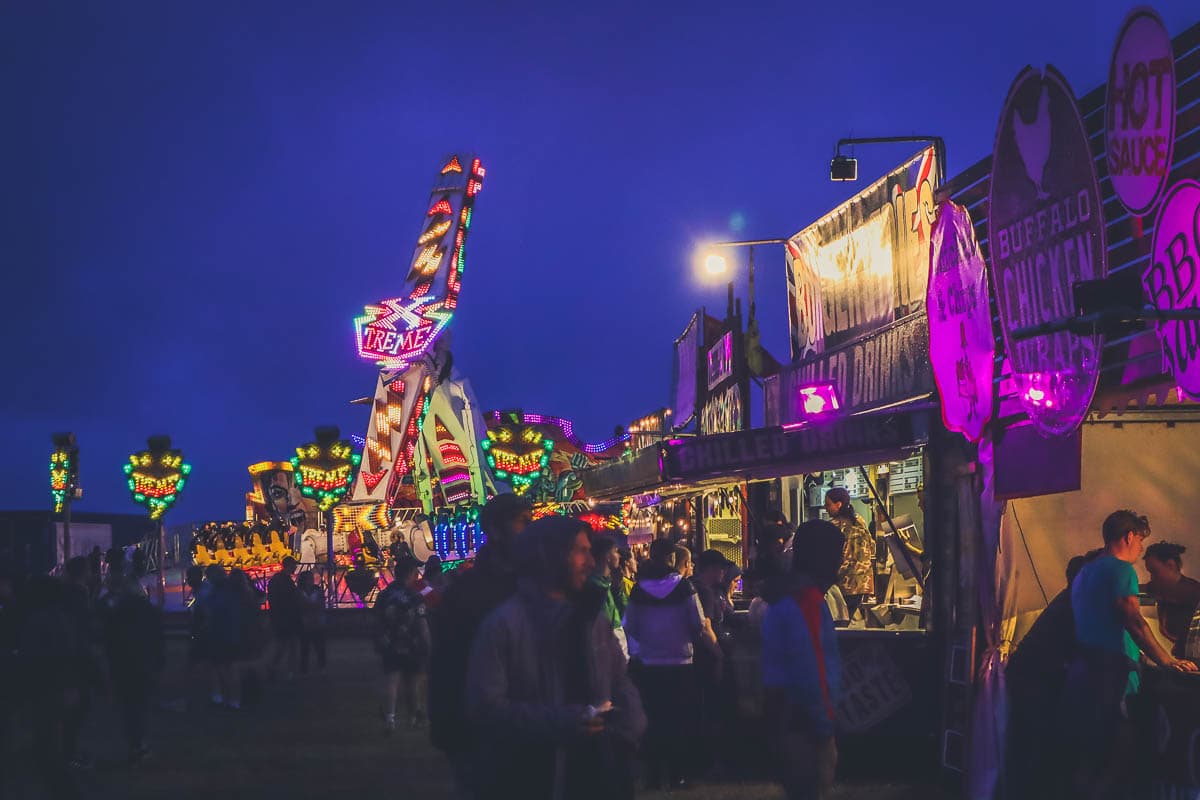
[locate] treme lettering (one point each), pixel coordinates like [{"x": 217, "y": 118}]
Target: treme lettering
[{"x": 384, "y": 342}]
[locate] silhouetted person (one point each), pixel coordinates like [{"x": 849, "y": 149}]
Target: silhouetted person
[
  {"x": 403, "y": 643},
  {"x": 801, "y": 669},
  {"x": 663, "y": 623},
  {"x": 556, "y": 714},
  {"x": 133, "y": 640},
  {"x": 459, "y": 614},
  {"x": 285, "y": 612}
]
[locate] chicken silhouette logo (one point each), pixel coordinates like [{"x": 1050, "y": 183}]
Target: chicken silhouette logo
[
  {"x": 1046, "y": 233},
  {"x": 1033, "y": 142}
]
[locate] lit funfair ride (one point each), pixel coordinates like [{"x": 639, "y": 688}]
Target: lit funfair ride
[{"x": 420, "y": 459}]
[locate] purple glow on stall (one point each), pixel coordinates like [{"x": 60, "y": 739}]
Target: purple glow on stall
[
  {"x": 818, "y": 399},
  {"x": 1170, "y": 282}
]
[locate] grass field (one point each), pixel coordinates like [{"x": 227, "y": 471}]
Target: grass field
[{"x": 319, "y": 737}]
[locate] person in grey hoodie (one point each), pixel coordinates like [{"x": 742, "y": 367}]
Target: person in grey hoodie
[
  {"x": 553, "y": 709},
  {"x": 663, "y": 623}
]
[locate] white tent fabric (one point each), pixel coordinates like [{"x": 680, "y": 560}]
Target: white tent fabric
[{"x": 1147, "y": 466}]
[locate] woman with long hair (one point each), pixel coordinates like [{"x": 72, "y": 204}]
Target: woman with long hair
[{"x": 856, "y": 576}]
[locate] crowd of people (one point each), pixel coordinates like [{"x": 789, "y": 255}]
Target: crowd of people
[
  {"x": 1074, "y": 681},
  {"x": 562, "y": 665},
  {"x": 66, "y": 639}
]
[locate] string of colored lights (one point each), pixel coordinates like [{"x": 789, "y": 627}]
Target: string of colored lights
[
  {"x": 567, "y": 428},
  {"x": 457, "y": 531}
]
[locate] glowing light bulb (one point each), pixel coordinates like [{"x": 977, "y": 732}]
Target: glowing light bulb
[{"x": 715, "y": 264}]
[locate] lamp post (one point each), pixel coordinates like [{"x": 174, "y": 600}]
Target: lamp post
[
  {"x": 716, "y": 264},
  {"x": 845, "y": 168}
]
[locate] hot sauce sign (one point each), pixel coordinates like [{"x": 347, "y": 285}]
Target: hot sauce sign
[{"x": 1139, "y": 126}]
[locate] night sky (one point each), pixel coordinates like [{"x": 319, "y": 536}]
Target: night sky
[{"x": 199, "y": 197}]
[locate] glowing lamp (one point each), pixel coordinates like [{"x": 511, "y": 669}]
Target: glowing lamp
[
  {"x": 715, "y": 264},
  {"x": 818, "y": 400}
]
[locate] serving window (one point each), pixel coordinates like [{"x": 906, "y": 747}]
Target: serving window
[{"x": 886, "y": 527}]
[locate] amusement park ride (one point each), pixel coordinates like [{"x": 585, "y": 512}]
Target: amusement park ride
[{"x": 429, "y": 459}]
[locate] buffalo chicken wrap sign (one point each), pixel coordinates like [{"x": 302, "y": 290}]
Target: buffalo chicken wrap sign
[
  {"x": 1045, "y": 232},
  {"x": 864, "y": 264},
  {"x": 1139, "y": 130},
  {"x": 962, "y": 348},
  {"x": 1172, "y": 282}
]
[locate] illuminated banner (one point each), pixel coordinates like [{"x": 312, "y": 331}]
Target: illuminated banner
[
  {"x": 865, "y": 263},
  {"x": 1139, "y": 126},
  {"x": 962, "y": 349},
  {"x": 1172, "y": 281},
  {"x": 400, "y": 330},
  {"x": 1045, "y": 233}
]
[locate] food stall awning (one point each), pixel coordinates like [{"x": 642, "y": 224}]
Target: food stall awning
[
  {"x": 765, "y": 453},
  {"x": 637, "y": 475}
]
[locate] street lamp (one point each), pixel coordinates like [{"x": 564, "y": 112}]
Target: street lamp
[
  {"x": 716, "y": 264},
  {"x": 845, "y": 168}
]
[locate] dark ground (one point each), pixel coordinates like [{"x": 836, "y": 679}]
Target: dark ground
[{"x": 319, "y": 737}]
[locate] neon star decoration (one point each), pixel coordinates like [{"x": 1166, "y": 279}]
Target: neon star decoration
[
  {"x": 402, "y": 329},
  {"x": 325, "y": 468},
  {"x": 157, "y": 475}
]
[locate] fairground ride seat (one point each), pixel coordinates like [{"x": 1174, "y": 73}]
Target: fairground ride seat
[
  {"x": 202, "y": 558},
  {"x": 259, "y": 550},
  {"x": 225, "y": 557},
  {"x": 278, "y": 551},
  {"x": 243, "y": 557}
]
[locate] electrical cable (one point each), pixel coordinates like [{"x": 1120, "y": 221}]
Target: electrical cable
[{"x": 1033, "y": 566}]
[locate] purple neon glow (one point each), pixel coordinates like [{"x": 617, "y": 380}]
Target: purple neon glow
[
  {"x": 568, "y": 431},
  {"x": 820, "y": 398},
  {"x": 359, "y": 441}
]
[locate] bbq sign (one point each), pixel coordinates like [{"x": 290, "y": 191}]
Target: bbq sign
[
  {"x": 1139, "y": 127},
  {"x": 1172, "y": 282},
  {"x": 1046, "y": 231}
]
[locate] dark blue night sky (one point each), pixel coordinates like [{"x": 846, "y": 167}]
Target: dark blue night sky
[{"x": 198, "y": 197}]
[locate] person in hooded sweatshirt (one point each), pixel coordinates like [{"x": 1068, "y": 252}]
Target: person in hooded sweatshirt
[
  {"x": 801, "y": 669},
  {"x": 554, "y": 710},
  {"x": 662, "y": 622},
  {"x": 456, "y": 618}
]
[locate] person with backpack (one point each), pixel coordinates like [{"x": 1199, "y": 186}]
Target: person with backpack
[{"x": 403, "y": 644}]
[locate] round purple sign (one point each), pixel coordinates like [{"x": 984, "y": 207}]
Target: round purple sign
[
  {"x": 1172, "y": 282},
  {"x": 1045, "y": 232},
  {"x": 962, "y": 347},
  {"x": 1139, "y": 128}
]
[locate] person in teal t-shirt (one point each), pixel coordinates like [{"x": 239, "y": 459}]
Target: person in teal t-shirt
[{"x": 1110, "y": 636}]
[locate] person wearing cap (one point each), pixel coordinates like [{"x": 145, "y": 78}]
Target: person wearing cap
[
  {"x": 856, "y": 576},
  {"x": 554, "y": 711},
  {"x": 461, "y": 610},
  {"x": 801, "y": 668}
]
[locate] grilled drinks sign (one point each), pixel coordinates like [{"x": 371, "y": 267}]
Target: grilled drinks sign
[
  {"x": 1139, "y": 128},
  {"x": 1046, "y": 230}
]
